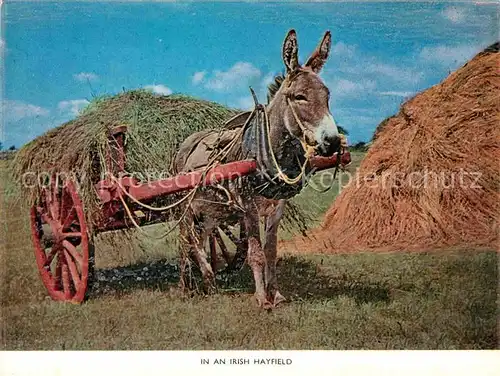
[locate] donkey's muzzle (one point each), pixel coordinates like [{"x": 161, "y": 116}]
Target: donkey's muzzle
[{"x": 329, "y": 146}]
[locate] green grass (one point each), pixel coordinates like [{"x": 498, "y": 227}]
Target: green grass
[
  {"x": 314, "y": 204},
  {"x": 420, "y": 300}
]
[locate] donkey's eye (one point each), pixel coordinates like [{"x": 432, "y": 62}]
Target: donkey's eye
[{"x": 300, "y": 97}]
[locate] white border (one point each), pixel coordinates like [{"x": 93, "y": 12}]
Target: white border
[{"x": 143, "y": 363}]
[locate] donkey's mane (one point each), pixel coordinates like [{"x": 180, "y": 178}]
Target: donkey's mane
[{"x": 274, "y": 86}]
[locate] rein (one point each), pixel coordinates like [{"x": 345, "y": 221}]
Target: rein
[
  {"x": 308, "y": 151},
  {"x": 265, "y": 127},
  {"x": 308, "y": 148},
  {"x": 303, "y": 129}
]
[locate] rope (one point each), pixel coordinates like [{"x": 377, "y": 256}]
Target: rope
[
  {"x": 211, "y": 163},
  {"x": 136, "y": 225},
  {"x": 303, "y": 129},
  {"x": 164, "y": 208},
  {"x": 308, "y": 149}
]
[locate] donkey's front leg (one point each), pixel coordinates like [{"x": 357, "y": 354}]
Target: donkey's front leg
[
  {"x": 256, "y": 258},
  {"x": 270, "y": 250}
]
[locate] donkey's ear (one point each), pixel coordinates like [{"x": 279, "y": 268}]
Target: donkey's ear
[
  {"x": 290, "y": 51},
  {"x": 319, "y": 56}
]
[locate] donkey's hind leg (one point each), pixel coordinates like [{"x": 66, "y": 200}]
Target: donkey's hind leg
[
  {"x": 193, "y": 236},
  {"x": 186, "y": 281},
  {"x": 200, "y": 232},
  {"x": 270, "y": 249},
  {"x": 256, "y": 258}
]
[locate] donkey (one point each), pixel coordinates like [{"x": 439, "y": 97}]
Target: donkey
[{"x": 297, "y": 113}]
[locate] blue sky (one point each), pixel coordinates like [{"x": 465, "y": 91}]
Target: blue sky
[{"x": 56, "y": 56}]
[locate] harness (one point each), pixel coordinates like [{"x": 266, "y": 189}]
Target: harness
[
  {"x": 254, "y": 132},
  {"x": 257, "y": 144},
  {"x": 252, "y": 140}
]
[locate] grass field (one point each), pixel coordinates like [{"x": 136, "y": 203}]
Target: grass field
[{"x": 420, "y": 300}]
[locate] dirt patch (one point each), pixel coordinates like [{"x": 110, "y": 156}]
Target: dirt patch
[
  {"x": 431, "y": 178},
  {"x": 301, "y": 280}
]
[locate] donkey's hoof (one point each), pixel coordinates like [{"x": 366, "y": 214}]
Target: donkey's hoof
[
  {"x": 278, "y": 298},
  {"x": 263, "y": 303},
  {"x": 209, "y": 287}
]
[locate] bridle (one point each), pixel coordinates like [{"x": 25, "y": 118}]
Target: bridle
[
  {"x": 258, "y": 126},
  {"x": 263, "y": 129},
  {"x": 308, "y": 149},
  {"x": 305, "y": 132}
]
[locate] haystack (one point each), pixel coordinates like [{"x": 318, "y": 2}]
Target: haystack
[{"x": 432, "y": 175}]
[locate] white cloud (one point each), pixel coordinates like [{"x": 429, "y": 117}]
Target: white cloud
[
  {"x": 360, "y": 127},
  {"x": 159, "y": 89},
  {"x": 355, "y": 121},
  {"x": 341, "y": 49},
  {"x": 371, "y": 69},
  {"x": 244, "y": 103},
  {"x": 198, "y": 77},
  {"x": 17, "y": 110},
  {"x": 238, "y": 76},
  {"x": 448, "y": 55},
  {"x": 453, "y": 14},
  {"x": 345, "y": 88},
  {"x": 72, "y": 107},
  {"x": 261, "y": 90},
  {"x": 268, "y": 79},
  {"x": 358, "y": 74},
  {"x": 403, "y": 94},
  {"x": 85, "y": 76},
  {"x": 393, "y": 72}
]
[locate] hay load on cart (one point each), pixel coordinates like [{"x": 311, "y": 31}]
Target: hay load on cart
[{"x": 81, "y": 149}]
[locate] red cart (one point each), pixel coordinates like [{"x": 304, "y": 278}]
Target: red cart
[{"x": 63, "y": 246}]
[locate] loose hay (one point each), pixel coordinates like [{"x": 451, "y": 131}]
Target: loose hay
[{"x": 449, "y": 134}]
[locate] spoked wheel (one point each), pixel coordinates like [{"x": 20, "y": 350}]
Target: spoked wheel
[
  {"x": 61, "y": 242},
  {"x": 234, "y": 260}
]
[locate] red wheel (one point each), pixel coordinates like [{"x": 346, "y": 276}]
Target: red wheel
[{"x": 61, "y": 241}]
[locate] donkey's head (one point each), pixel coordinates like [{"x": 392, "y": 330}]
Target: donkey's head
[{"x": 301, "y": 103}]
